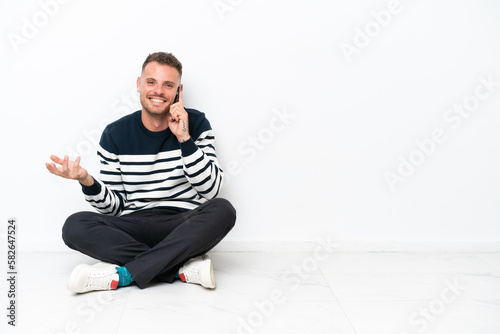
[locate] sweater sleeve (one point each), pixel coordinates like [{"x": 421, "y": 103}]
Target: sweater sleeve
[
  {"x": 201, "y": 166},
  {"x": 106, "y": 194}
]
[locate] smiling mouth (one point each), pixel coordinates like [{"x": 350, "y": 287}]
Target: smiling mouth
[{"x": 157, "y": 100}]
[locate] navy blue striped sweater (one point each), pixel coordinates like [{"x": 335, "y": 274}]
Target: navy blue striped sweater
[{"x": 141, "y": 169}]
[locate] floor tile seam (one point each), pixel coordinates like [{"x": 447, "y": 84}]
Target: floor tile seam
[
  {"x": 337, "y": 299},
  {"x": 386, "y": 300},
  {"x": 122, "y": 313},
  {"x": 414, "y": 273},
  {"x": 293, "y": 300},
  {"x": 251, "y": 302},
  {"x": 378, "y": 300},
  {"x": 243, "y": 302}
]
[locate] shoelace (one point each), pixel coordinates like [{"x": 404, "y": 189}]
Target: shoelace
[
  {"x": 192, "y": 274},
  {"x": 101, "y": 281}
]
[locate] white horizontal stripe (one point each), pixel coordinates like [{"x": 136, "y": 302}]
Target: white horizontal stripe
[
  {"x": 107, "y": 154},
  {"x": 173, "y": 176},
  {"x": 149, "y": 157},
  {"x": 110, "y": 178},
  {"x": 175, "y": 187},
  {"x": 203, "y": 136},
  {"x": 174, "y": 204},
  {"x": 200, "y": 177},
  {"x": 169, "y": 167},
  {"x": 158, "y": 195}
]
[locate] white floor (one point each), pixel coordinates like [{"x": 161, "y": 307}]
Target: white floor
[{"x": 363, "y": 293}]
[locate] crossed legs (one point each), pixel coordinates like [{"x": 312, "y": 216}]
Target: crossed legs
[{"x": 152, "y": 244}]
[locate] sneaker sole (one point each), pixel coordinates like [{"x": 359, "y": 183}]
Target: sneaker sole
[{"x": 209, "y": 282}]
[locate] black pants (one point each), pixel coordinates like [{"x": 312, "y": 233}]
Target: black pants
[{"x": 151, "y": 244}]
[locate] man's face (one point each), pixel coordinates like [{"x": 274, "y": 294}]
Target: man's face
[{"x": 157, "y": 88}]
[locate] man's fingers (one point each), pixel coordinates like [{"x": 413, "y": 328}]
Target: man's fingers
[
  {"x": 49, "y": 167},
  {"x": 65, "y": 163},
  {"x": 177, "y": 112},
  {"x": 174, "y": 113},
  {"x": 76, "y": 166},
  {"x": 77, "y": 162},
  {"x": 52, "y": 168},
  {"x": 180, "y": 97},
  {"x": 175, "y": 116},
  {"x": 68, "y": 169},
  {"x": 56, "y": 159}
]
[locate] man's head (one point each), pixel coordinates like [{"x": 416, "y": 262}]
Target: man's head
[{"x": 158, "y": 83}]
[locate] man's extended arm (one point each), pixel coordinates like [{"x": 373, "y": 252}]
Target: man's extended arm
[{"x": 99, "y": 195}]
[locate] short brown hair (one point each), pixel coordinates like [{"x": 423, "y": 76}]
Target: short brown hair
[{"x": 164, "y": 58}]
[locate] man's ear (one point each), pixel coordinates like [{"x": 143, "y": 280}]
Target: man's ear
[{"x": 138, "y": 84}]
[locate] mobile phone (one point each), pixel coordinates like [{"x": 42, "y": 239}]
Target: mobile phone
[{"x": 176, "y": 99}]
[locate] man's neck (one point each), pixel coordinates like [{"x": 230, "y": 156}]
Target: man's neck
[{"x": 154, "y": 124}]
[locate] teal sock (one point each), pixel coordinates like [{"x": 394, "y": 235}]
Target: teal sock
[
  {"x": 125, "y": 277},
  {"x": 177, "y": 275}
]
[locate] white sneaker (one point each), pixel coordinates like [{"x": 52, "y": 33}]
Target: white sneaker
[
  {"x": 198, "y": 270},
  {"x": 100, "y": 276}
]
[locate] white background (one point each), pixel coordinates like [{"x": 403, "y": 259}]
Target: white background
[{"x": 70, "y": 68}]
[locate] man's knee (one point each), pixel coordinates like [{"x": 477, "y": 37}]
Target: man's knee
[
  {"x": 226, "y": 211},
  {"x": 73, "y": 227}
]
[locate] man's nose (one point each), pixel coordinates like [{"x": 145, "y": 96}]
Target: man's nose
[{"x": 158, "y": 89}]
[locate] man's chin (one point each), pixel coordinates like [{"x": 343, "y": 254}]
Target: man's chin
[{"x": 157, "y": 113}]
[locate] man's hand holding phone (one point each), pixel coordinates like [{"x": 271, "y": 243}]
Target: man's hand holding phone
[{"x": 178, "y": 118}]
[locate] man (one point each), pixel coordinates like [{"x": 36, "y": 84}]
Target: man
[{"x": 156, "y": 194}]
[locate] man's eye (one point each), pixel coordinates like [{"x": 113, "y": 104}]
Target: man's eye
[{"x": 150, "y": 82}]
